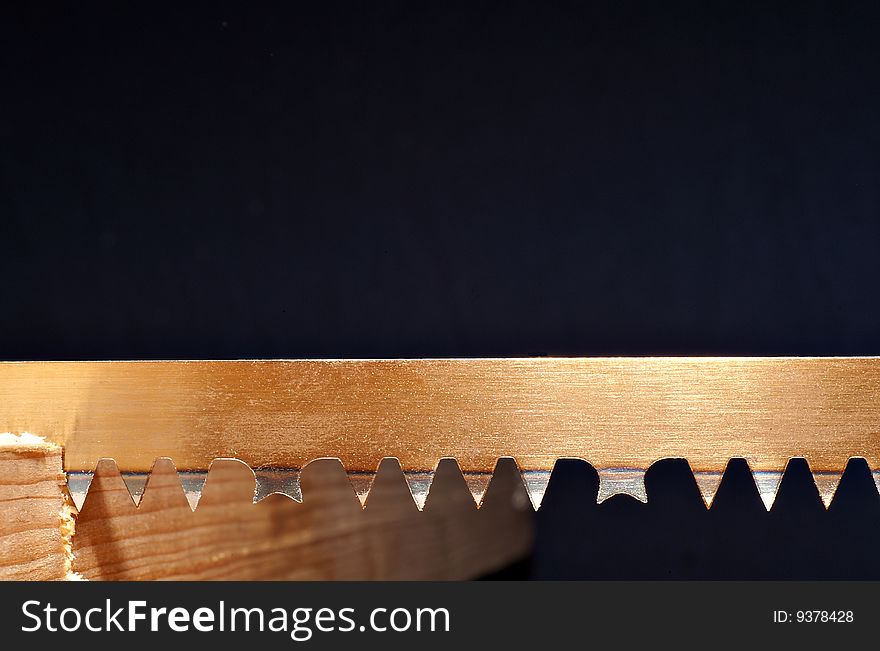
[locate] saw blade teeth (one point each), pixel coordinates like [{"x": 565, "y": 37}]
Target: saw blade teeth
[
  {"x": 419, "y": 482},
  {"x": 536, "y": 482},
  {"x": 612, "y": 481},
  {"x": 193, "y": 482},
  {"x": 708, "y": 482},
  {"x": 277, "y": 480},
  {"x": 78, "y": 484},
  {"x": 768, "y": 482},
  {"x": 621, "y": 481},
  {"x": 136, "y": 483}
]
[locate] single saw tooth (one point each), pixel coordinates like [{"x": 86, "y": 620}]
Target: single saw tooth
[
  {"x": 228, "y": 480},
  {"x": 136, "y": 482},
  {"x": 708, "y": 482},
  {"x": 277, "y": 480},
  {"x": 536, "y": 482},
  {"x": 767, "y": 482},
  {"x": 448, "y": 486},
  {"x": 78, "y": 484},
  {"x": 876, "y": 475},
  {"x": 164, "y": 489},
  {"x": 193, "y": 482},
  {"x": 387, "y": 489},
  {"x": 419, "y": 482},
  {"x": 108, "y": 490},
  {"x": 621, "y": 481},
  {"x": 507, "y": 481},
  {"x": 325, "y": 485},
  {"x": 479, "y": 482}
]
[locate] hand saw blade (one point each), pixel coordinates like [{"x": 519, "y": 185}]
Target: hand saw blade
[{"x": 619, "y": 414}]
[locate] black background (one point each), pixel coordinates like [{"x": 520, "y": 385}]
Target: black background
[{"x": 456, "y": 179}]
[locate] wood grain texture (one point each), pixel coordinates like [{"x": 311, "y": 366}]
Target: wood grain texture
[
  {"x": 613, "y": 412},
  {"x": 33, "y": 522},
  {"x": 327, "y": 536}
]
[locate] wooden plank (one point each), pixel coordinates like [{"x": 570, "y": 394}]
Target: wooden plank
[
  {"x": 35, "y": 516},
  {"x": 613, "y": 412},
  {"x": 327, "y": 536}
]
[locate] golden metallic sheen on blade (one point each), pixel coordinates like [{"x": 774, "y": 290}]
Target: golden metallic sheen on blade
[{"x": 616, "y": 413}]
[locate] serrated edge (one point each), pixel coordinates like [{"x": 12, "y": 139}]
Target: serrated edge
[{"x": 612, "y": 482}]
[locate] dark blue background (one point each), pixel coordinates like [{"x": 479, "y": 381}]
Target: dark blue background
[{"x": 440, "y": 179}]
